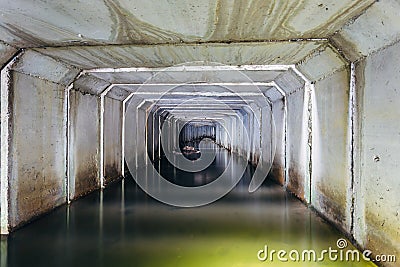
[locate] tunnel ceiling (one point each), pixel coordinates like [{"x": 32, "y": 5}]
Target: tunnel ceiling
[
  {"x": 117, "y": 34},
  {"x": 58, "y": 23},
  {"x": 120, "y": 47}
]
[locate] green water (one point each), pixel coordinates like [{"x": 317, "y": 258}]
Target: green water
[{"x": 121, "y": 226}]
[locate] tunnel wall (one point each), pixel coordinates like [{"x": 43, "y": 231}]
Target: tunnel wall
[
  {"x": 238, "y": 141},
  {"x": 156, "y": 136},
  {"x": 254, "y": 122},
  {"x": 232, "y": 133},
  {"x": 84, "y": 143},
  {"x": 371, "y": 43},
  {"x": 258, "y": 123},
  {"x": 377, "y": 203},
  {"x": 141, "y": 132},
  {"x": 131, "y": 128},
  {"x": 296, "y": 141},
  {"x": 331, "y": 177},
  {"x": 278, "y": 166},
  {"x": 37, "y": 162},
  {"x": 331, "y": 181},
  {"x": 112, "y": 139},
  {"x": 224, "y": 134},
  {"x": 266, "y": 140}
]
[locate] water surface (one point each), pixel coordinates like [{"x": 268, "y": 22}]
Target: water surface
[{"x": 122, "y": 226}]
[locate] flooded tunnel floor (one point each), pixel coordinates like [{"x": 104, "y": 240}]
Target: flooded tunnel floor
[{"x": 122, "y": 226}]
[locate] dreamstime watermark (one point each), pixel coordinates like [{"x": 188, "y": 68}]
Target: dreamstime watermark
[
  {"x": 200, "y": 89},
  {"x": 338, "y": 253}
]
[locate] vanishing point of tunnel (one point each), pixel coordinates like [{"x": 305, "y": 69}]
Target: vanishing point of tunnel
[{"x": 200, "y": 133}]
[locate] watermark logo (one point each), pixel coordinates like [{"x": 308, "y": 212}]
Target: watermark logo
[
  {"x": 179, "y": 95},
  {"x": 334, "y": 254}
]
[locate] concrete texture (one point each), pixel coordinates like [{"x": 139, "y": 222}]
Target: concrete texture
[
  {"x": 44, "y": 67},
  {"x": 89, "y": 84},
  {"x": 131, "y": 129},
  {"x": 6, "y": 53},
  {"x": 38, "y": 125},
  {"x": 112, "y": 139},
  {"x": 331, "y": 180},
  {"x": 257, "y": 53},
  {"x": 296, "y": 141},
  {"x": 323, "y": 62},
  {"x": 278, "y": 167},
  {"x": 376, "y": 28},
  {"x": 141, "y": 153},
  {"x": 377, "y": 205},
  {"x": 83, "y": 144},
  {"x": 294, "y": 145},
  {"x": 179, "y": 74},
  {"x": 60, "y": 23}
]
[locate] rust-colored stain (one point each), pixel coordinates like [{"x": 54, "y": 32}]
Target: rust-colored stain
[
  {"x": 252, "y": 20},
  {"x": 87, "y": 178},
  {"x": 128, "y": 28},
  {"x": 295, "y": 184},
  {"x": 278, "y": 174},
  {"x": 112, "y": 173},
  {"x": 333, "y": 205}
]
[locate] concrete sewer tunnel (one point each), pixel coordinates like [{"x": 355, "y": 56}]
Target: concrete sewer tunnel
[{"x": 306, "y": 92}]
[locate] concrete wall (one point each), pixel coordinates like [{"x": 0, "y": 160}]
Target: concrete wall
[
  {"x": 37, "y": 161},
  {"x": 331, "y": 149},
  {"x": 84, "y": 143},
  {"x": 256, "y": 128},
  {"x": 233, "y": 133},
  {"x": 278, "y": 166},
  {"x": 112, "y": 139},
  {"x": 131, "y": 128},
  {"x": 294, "y": 115},
  {"x": 296, "y": 141},
  {"x": 141, "y": 143},
  {"x": 37, "y": 142},
  {"x": 266, "y": 138},
  {"x": 371, "y": 42},
  {"x": 377, "y": 203},
  {"x": 331, "y": 180}
]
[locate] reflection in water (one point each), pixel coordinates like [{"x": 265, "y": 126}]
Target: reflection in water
[
  {"x": 122, "y": 226},
  {"x": 3, "y": 251}
]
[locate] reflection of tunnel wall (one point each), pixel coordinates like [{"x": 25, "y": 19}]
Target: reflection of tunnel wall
[{"x": 334, "y": 101}]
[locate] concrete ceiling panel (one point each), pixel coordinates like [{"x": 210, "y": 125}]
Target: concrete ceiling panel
[
  {"x": 378, "y": 27},
  {"x": 41, "y": 66},
  {"x": 6, "y": 53},
  {"x": 289, "y": 81},
  {"x": 229, "y": 89},
  {"x": 322, "y": 63},
  {"x": 89, "y": 84},
  {"x": 273, "y": 94},
  {"x": 118, "y": 93},
  {"x": 61, "y": 23},
  {"x": 206, "y": 76},
  {"x": 260, "y": 53}
]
